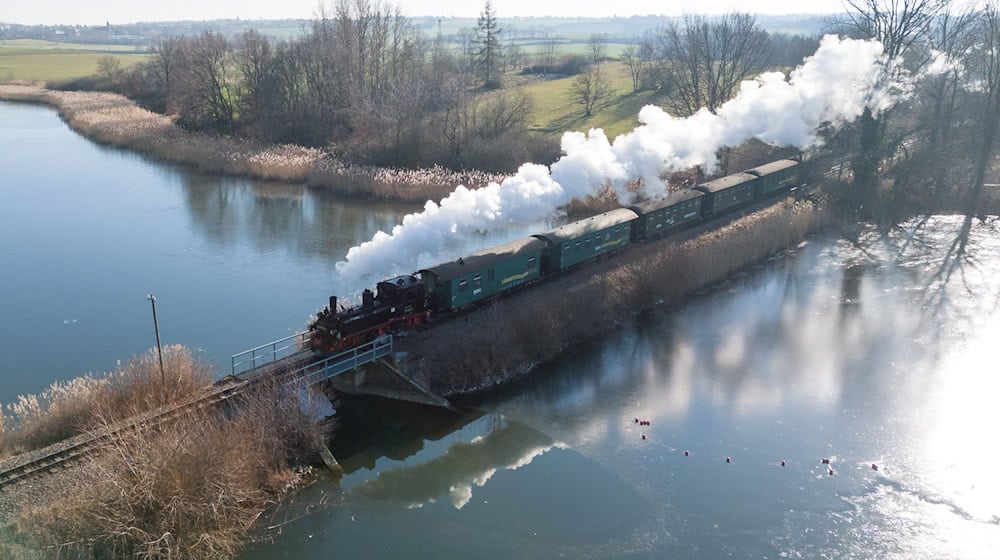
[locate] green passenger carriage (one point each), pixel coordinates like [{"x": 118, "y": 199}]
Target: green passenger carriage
[
  {"x": 775, "y": 177},
  {"x": 726, "y": 193},
  {"x": 660, "y": 217},
  {"x": 468, "y": 280},
  {"x": 580, "y": 241}
]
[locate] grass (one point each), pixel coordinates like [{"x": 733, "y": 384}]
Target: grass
[
  {"x": 567, "y": 46},
  {"x": 39, "y": 44},
  {"x": 44, "y": 61},
  {"x": 555, "y": 111}
]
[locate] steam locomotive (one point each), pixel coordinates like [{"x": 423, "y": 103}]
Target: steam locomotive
[{"x": 403, "y": 302}]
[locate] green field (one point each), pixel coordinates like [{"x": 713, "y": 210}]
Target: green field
[
  {"x": 565, "y": 46},
  {"x": 25, "y": 59},
  {"x": 555, "y": 110}
]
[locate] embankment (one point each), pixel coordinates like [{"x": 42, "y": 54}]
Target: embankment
[
  {"x": 510, "y": 337},
  {"x": 113, "y": 119}
]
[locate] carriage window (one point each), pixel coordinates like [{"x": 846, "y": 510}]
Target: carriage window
[
  {"x": 477, "y": 280},
  {"x": 531, "y": 262},
  {"x": 463, "y": 285},
  {"x": 607, "y": 237},
  {"x": 577, "y": 244}
]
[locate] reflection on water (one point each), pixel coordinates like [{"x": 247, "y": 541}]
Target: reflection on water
[
  {"x": 882, "y": 350},
  {"x": 463, "y": 465},
  {"x": 233, "y": 262},
  {"x": 840, "y": 350}
]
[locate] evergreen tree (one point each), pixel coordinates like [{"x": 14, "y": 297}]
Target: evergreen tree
[{"x": 488, "y": 40}]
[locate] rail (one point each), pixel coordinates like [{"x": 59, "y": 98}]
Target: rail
[{"x": 267, "y": 353}]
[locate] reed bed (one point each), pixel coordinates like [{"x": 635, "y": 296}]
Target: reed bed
[
  {"x": 507, "y": 339},
  {"x": 197, "y": 488},
  {"x": 70, "y": 408},
  {"x": 192, "y": 488},
  {"x": 116, "y": 120}
]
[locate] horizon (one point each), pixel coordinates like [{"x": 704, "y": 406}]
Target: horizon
[{"x": 123, "y": 12}]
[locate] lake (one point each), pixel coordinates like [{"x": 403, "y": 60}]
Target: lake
[{"x": 879, "y": 350}]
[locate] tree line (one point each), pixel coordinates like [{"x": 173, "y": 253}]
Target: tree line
[
  {"x": 364, "y": 82},
  {"x": 362, "y": 79}
]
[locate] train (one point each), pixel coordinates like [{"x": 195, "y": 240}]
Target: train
[{"x": 407, "y": 301}]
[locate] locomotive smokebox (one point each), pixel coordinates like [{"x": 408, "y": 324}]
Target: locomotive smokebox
[{"x": 333, "y": 304}]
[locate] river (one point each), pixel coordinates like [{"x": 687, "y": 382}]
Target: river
[{"x": 872, "y": 351}]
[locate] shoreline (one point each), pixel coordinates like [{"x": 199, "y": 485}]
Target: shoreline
[{"x": 115, "y": 120}]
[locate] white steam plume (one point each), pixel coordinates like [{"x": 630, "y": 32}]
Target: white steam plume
[{"x": 834, "y": 85}]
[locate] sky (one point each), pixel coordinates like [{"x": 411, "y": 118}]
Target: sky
[{"x": 97, "y": 12}]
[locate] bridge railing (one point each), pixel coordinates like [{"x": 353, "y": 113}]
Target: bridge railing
[
  {"x": 270, "y": 352},
  {"x": 345, "y": 361}
]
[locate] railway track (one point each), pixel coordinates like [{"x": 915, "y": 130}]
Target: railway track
[{"x": 64, "y": 453}]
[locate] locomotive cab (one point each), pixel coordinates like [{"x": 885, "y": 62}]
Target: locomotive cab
[
  {"x": 400, "y": 290},
  {"x": 400, "y": 302}
]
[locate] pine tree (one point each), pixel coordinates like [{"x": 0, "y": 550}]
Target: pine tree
[{"x": 488, "y": 40}]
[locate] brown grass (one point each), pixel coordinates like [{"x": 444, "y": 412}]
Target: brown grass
[
  {"x": 116, "y": 120},
  {"x": 193, "y": 489},
  {"x": 69, "y": 408},
  {"x": 513, "y": 335}
]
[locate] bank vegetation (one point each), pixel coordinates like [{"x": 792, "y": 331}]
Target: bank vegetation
[{"x": 196, "y": 487}]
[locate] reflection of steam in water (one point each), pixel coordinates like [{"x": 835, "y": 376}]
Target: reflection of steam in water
[{"x": 462, "y": 465}]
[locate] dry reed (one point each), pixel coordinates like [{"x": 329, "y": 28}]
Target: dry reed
[
  {"x": 192, "y": 489},
  {"x": 116, "y": 120},
  {"x": 69, "y": 408}
]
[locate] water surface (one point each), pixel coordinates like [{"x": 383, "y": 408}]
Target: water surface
[
  {"x": 88, "y": 231},
  {"x": 862, "y": 354},
  {"x": 866, "y": 352}
]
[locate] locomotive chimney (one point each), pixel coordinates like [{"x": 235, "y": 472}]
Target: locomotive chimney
[
  {"x": 367, "y": 297},
  {"x": 333, "y": 304}
]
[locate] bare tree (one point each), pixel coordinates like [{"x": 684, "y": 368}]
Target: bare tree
[
  {"x": 162, "y": 68},
  {"x": 898, "y": 25},
  {"x": 951, "y": 35},
  {"x": 988, "y": 73},
  {"x": 548, "y": 53},
  {"x": 254, "y": 58},
  {"x": 110, "y": 68},
  {"x": 207, "y": 98},
  {"x": 590, "y": 87},
  {"x": 597, "y": 44},
  {"x": 706, "y": 59},
  {"x": 636, "y": 60}
]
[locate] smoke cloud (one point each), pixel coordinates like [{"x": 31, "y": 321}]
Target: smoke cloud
[{"x": 834, "y": 86}]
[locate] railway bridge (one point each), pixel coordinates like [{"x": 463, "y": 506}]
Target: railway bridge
[
  {"x": 290, "y": 361},
  {"x": 364, "y": 369}
]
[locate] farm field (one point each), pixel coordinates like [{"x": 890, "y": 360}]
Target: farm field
[
  {"x": 556, "y": 111},
  {"x": 33, "y": 60}
]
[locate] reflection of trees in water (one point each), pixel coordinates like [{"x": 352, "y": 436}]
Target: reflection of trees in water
[
  {"x": 829, "y": 325},
  {"x": 270, "y": 215}
]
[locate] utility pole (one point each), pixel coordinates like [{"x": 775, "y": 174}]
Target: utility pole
[{"x": 156, "y": 327}]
